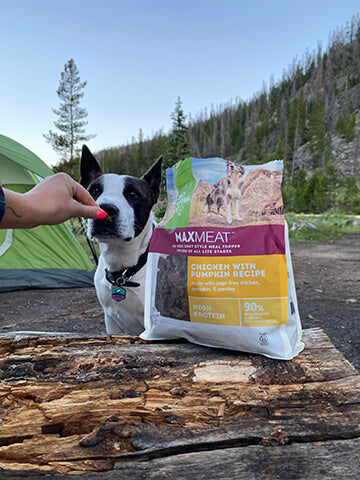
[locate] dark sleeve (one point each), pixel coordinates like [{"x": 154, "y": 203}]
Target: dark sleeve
[{"x": 2, "y": 203}]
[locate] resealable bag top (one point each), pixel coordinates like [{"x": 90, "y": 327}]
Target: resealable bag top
[{"x": 219, "y": 270}]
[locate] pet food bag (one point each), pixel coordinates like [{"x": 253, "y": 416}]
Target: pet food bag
[{"x": 219, "y": 269}]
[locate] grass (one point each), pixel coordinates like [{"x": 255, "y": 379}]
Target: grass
[
  {"x": 79, "y": 230},
  {"x": 320, "y": 228}
]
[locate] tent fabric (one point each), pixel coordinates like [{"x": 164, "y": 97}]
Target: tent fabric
[
  {"x": 13, "y": 173},
  {"x": 7, "y": 242},
  {"x": 41, "y": 257},
  {"x": 44, "y": 278},
  {"x": 46, "y": 247},
  {"x": 17, "y": 153}
]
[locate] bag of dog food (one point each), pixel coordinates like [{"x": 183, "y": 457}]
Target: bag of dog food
[{"x": 219, "y": 269}]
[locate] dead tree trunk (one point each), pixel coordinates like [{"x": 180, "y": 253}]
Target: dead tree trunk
[{"x": 82, "y": 405}]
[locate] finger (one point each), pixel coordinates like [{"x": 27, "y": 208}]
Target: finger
[
  {"x": 83, "y": 196},
  {"x": 89, "y": 212}
]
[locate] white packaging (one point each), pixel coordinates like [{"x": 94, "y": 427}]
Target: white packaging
[{"x": 219, "y": 269}]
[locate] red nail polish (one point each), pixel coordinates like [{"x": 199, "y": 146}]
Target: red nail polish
[{"x": 101, "y": 215}]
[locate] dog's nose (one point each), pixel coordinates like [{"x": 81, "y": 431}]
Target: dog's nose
[{"x": 110, "y": 209}]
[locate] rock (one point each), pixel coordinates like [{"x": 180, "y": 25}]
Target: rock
[
  {"x": 261, "y": 193},
  {"x": 300, "y": 225},
  {"x": 310, "y": 226},
  {"x": 351, "y": 223}
]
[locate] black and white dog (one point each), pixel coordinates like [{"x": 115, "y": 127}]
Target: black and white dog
[{"x": 124, "y": 238}]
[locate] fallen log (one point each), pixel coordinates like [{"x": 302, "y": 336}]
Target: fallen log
[{"x": 81, "y": 405}]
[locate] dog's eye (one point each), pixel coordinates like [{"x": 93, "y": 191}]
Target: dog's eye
[
  {"x": 94, "y": 190},
  {"x": 133, "y": 194}
]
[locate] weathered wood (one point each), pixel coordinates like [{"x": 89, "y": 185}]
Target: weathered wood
[
  {"x": 316, "y": 461},
  {"x": 81, "y": 405},
  {"x": 340, "y": 460}
]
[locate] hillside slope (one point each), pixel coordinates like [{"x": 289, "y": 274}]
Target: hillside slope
[{"x": 309, "y": 118}]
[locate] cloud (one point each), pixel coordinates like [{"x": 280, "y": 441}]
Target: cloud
[{"x": 208, "y": 170}]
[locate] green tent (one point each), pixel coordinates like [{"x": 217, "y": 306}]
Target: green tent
[{"x": 41, "y": 257}]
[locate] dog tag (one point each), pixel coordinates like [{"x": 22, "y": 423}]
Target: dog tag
[{"x": 118, "y": 294}]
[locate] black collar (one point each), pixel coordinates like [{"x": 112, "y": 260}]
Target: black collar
[{"x": 121, "y": 278}]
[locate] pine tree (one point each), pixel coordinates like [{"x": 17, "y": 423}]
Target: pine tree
[
  {"x": 300, "y": 183},
  {"x": 331, "y": 182},
  {"x": 296, "y": 128},
  {"x": 139, "y": 164},
  {"x": 71, "y": 117},
  {"x": 350, "y": 123},
  {"x": 318, "y": 193},
  {"x": 178, "y": 145},
  {"x": 346, "y": 127},
  {"x": 316, "y": 131},
  {"x": 352, "y": 196},
  {"x": 279, "y": 152},
  {"x": 340, "y": 125}
]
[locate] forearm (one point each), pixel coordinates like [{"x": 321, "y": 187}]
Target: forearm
[{"x": 20, "y": 212}]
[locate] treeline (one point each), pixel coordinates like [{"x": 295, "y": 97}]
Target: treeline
[
  {"x": 134, "y": 158},
  {"x": 318, "y": 97},
  {"x": 322, "y": 191},
  {"x": 295, "y": 119}
]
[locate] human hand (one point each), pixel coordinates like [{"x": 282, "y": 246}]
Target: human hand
[{"x": 54, "y": 200}]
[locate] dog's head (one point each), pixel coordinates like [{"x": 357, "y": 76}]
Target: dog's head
[
  {"x": 233, "y": 169},
  {"x": 127, "y": 200}
]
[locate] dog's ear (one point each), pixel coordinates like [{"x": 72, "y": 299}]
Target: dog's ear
[
  {"x": 153, "y": 178},
  {"x": 89, "y": 167}
]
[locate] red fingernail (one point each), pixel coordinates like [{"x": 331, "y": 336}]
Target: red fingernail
[{"x": 101, "y": 214}]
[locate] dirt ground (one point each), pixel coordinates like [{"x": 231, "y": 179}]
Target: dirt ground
[{"x": 327, "y": 277}]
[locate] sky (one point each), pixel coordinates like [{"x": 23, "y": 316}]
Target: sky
[{"x": 138, "y": 56}]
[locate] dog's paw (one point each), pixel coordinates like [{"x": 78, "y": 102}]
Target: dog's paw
[{"x": 238, "y": 218}]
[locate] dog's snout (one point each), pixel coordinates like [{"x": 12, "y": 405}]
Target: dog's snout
[{"x": 110, "y": 209}]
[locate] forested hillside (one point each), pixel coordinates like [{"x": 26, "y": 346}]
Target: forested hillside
[{"x": 310, "y": 118}]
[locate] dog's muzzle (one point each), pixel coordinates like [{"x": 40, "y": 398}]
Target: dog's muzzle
[{"x": 107, "y": 227}]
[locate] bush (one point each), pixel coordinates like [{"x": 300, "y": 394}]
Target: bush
[
  {"x": 352, "y": 197},
  {"x": 317, "y": 194}
]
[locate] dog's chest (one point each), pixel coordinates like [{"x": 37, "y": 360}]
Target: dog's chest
[
  {"x": 125, "y": 316},
  {"x": 234, "y": 186}
]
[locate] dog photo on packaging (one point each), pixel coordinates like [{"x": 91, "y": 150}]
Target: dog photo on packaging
[
  {"x": 227, "y": 192},
  {"x": 123, "y": 238},
  {"x": 235, "y": 196}
]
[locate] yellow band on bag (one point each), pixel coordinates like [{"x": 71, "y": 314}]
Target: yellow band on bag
[{"x": 249, "y": 291}]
